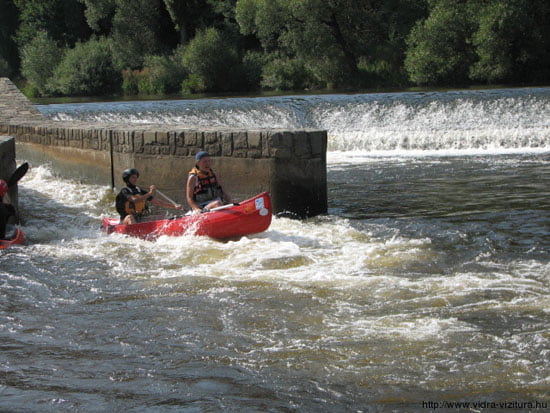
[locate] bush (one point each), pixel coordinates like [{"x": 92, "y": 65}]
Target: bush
[
  {"x": 147, "y": 84},
  {"x": 161, "y": 74},
  {"x": 165, "y": 73},
  {"x": 130, "y": 82},
  {"x": 39, "y": 58},
  {"x": 287, "y": 74},
  {"x": 193, "y": 84},
  {"x": 214, "y": 61},
  {"x": 87, "y": 70},
  {"x": 30, "y": 90}
]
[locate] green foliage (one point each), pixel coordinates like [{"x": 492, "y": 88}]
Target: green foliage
[
  {"x": 133, "y": 33},
  {"x": 489, "y": 41},
  {"x": 161, "y": 74},
  {"x": 99, "y": 15},
  {"x": 165, "y": 72},
  {"x": 63, "y": 20},
  {"x": 263, "y": 19},
  {"x": 333, "y": 37},
  {"x": 39, "y": 58},
  {"x": 238, "y": 45},
  {"x": 440, "y": 50},
  {"x": 188, "y": 16},
  {"x": 193, "y": 84},
  {"x": 9, "y": 59},
  {"x": 287, "y": 74},
  {"x": 87, "y": 69},
  {"x": 214, "y": 61},
  {"x": 130, "y": 80},
  {"x": 509, "y": 43},
  {"x": 492, "y": 41},
  {"x": 253, "y": 63},
  {"x": 381, "y": 72},
  {"x": 30, "y": 91}
]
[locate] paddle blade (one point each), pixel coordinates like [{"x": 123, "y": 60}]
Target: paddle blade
[{"x": 18, "y": 174}]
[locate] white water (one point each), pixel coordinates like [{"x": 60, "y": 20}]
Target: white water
[
  {"x": 461, "y": 122},
  {"x": 329, "y": 314},
  {"x": 301, "y": 245}
]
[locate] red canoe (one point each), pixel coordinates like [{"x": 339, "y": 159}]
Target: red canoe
[
  {"x": 249, "y": 217},
  {"x": 14, "y": 236}
]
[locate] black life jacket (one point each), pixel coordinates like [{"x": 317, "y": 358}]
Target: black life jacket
[{"x": 125, "y": 207}]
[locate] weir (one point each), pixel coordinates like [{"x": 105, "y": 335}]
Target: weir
[{"x": 290, "y": 164}]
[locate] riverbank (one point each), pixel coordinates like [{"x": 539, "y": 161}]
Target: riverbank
[{"x": 268, "y": 94}]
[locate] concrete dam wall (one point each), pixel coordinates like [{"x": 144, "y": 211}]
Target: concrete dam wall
[{"x": 290, "y": 164}]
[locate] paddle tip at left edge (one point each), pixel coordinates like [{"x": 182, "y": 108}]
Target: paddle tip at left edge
[{"x": 18, "y": 174}]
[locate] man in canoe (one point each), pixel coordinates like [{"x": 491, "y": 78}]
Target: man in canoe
[
  {"x": 131, "y": 201},
  {"x": 6, "y": 210},
  {"x": 204, "y": 187}
]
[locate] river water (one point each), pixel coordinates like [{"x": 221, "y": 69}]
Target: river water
[{"x": 426, "y": 283}]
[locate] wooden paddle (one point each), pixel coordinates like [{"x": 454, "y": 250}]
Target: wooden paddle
[{"x": 18, "y": 174}]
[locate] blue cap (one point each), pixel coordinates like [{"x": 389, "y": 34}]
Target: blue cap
[{"x": 201, "y": 155}]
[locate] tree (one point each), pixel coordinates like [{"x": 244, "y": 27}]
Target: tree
[
  {"x": 386, "y": 65},
  {"x": 214, "y": 62},
  {"x": 39, "y": 58},
  {"x": 4, "y": 67},
  {"x": 87, "y": 70},
  {"x": 439, "y": 47},
  {"x": 511, "y": 42},
  {"x": 188, "y": 16},
  {"x": 333, "y": 38},
  {"x": 133, "y": 32},
  {"x": 99, "y": 15},
  {"x": 63, "y": 20},
  {"x": 290, "y": 32}
]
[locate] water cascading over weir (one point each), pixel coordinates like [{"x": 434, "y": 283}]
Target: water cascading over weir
[{"x": 290, "y": 164}]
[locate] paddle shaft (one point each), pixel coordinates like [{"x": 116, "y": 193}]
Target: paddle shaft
[
  {"x": 223, "y": 207},
  {"x": 167, "y": 198}
]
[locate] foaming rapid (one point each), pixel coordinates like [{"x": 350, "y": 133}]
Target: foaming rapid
[
  {"x": 455, "y": 122},
  {"x": 58, "y": 209},
  {"x": 428, "y": 280},
  {"x": 64, "y": 217}
]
